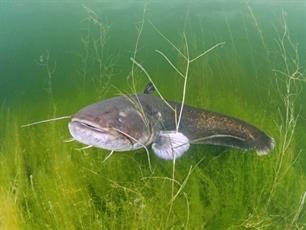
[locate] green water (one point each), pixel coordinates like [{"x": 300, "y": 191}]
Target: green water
[{"x": 48, "y": 184}]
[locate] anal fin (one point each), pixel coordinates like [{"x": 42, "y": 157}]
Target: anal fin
[{"x": 223, "y": 140}]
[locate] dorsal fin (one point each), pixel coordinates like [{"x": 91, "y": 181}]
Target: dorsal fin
[{"x": 149, "y": 89}]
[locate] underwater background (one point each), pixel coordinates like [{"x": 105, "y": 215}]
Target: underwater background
[{"x": 59, "y": 56}]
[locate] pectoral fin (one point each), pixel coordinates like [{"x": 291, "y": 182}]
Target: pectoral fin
[{"x": 170, "y": 144}]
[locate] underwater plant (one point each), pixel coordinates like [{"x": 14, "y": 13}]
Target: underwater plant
[{"x": 48, "y": 184}]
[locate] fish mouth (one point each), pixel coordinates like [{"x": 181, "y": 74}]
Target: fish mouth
[
  {"x": 90, "y": 125},
  {"x": 90, "y": 133}
]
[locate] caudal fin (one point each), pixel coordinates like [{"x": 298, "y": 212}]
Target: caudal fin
[
  {"x": 259, "y": 141},
  {"x": 264, "y": 144},
  {"x": 231, "y": 132}
]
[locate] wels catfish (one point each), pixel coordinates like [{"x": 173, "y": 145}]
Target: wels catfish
[{"x": 125, "y": 123}]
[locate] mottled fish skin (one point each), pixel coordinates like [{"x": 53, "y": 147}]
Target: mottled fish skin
[
  {"x": 200, "y": 126},
  {"x": 206, "y": 127}
]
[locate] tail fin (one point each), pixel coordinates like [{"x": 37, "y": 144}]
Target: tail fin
[
  {"x": 248, "y": 138},
  {"x": 206, "y": 127},
  {"x": 262, "y": 143}
]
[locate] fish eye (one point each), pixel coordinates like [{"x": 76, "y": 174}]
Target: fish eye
[{"x": 107, "y": 112}]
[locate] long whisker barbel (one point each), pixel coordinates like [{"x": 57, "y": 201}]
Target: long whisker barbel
[
  {"x": 108, "y": 156},
  {"x": 46, "y": 121},
  {"x": 134, "y": 139}
]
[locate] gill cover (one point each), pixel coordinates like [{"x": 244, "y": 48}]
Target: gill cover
[{"x": 170, "y": 144}]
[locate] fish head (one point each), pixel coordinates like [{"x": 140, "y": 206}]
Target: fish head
[{"x": 114, "y": 124}]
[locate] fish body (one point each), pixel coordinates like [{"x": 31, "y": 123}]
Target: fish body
[{"x": 128, "y": 123}]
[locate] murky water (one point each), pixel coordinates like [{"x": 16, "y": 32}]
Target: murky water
[{"x": 56, "y": 57}]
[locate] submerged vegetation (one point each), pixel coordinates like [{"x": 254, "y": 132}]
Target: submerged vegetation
[{"x": 48, "y": 184}]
